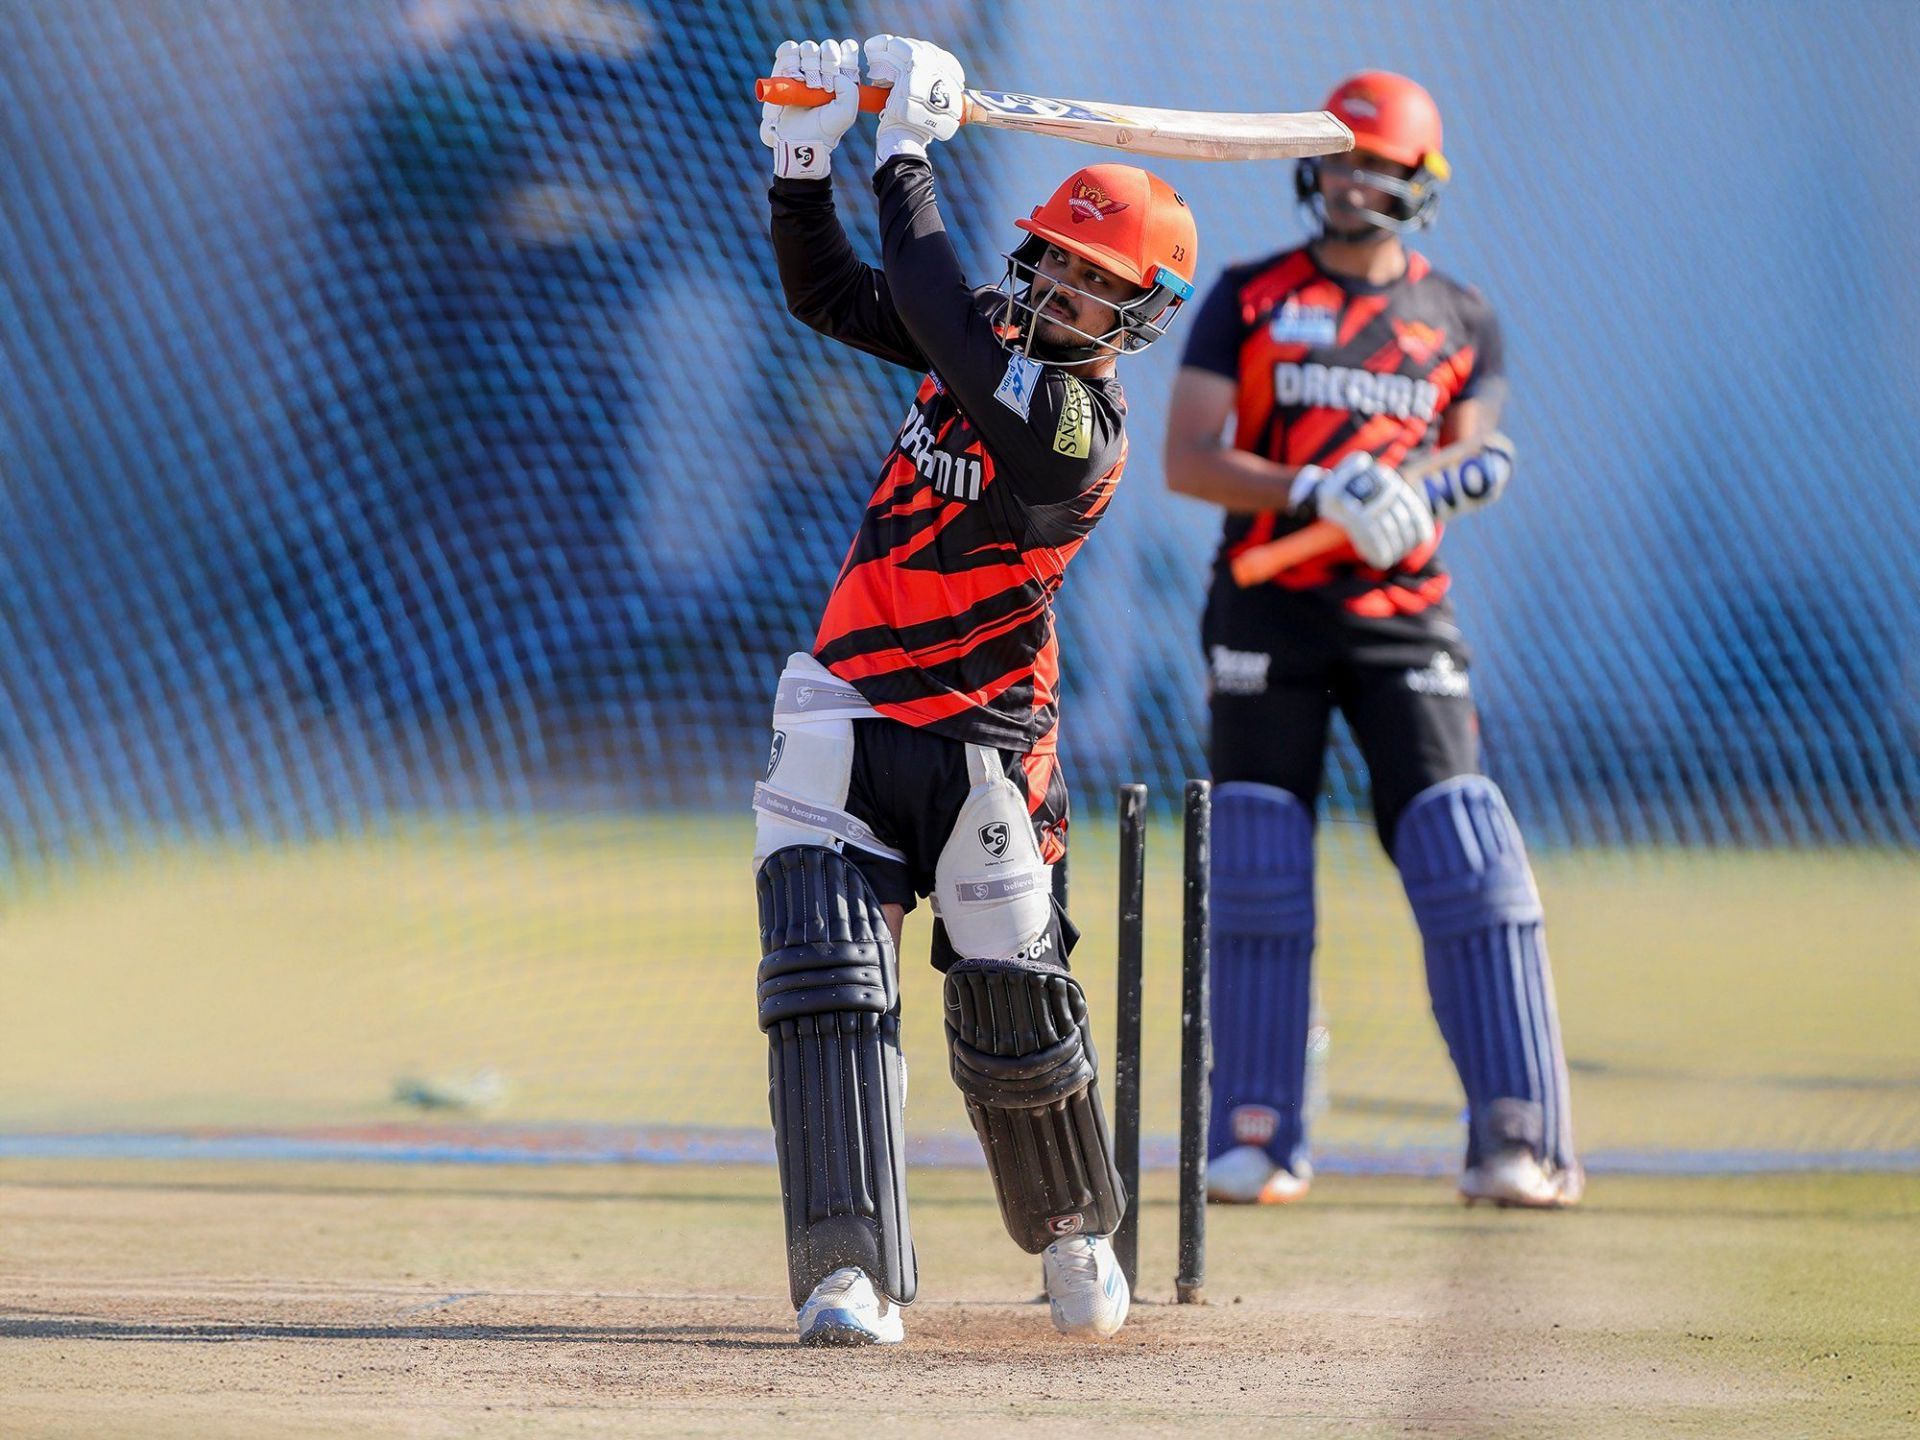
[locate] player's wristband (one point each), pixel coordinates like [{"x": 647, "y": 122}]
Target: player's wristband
[{"x": 802, "y": 160}]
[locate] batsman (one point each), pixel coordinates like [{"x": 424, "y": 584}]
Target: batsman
[
  {"x": 1334, "y": 362},
  {"x": 914, "y": 747}
]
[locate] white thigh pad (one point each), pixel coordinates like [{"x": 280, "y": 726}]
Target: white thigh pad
[
  {"x": 991, "y": 888},
  {"x": 803, "y": 799}
]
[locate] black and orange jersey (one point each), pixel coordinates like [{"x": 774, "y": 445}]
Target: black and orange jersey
[
  {"x": 942, "y": 613},
  {"x": 1326, "y": 366}
]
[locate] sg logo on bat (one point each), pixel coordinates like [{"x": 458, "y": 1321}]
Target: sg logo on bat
[{"x": 1008, "y": 102}]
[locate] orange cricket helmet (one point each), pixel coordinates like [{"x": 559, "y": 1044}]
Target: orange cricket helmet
[
  {"x": 1395, "y": 118},
  {"x": 1131, "y": 224}
]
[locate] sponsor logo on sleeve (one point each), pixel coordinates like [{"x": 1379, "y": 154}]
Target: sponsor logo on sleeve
[
  {"x": 1016, "y": 387},
  {"x": 1074, "y": 436}
]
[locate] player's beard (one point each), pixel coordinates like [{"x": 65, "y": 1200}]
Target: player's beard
[{"x": 1052, "y": 339}]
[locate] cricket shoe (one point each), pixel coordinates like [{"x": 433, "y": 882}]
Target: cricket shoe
[
  {"x": 1515, "y": 1176},
  {"x": 1085, "y": 1288},
  {"x": 1246, "y": 1175},
  {"x": 844, "y": 1309}
]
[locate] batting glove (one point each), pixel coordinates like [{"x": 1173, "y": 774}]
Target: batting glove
[
  {"x": 802, "y": 137},
  {"x": 1384, "y": 517},
  {"x": 928, "y": 95}
]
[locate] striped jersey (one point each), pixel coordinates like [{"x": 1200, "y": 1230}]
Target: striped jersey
[
  {"x": 1327, "y": 365},
  {"x": 941, "y": 615}
]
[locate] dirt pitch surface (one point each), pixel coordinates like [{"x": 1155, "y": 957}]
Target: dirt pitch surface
[{"x": 162, "y": 1300}]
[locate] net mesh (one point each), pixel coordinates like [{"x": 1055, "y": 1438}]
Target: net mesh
[{"x": 410, "y": 483}]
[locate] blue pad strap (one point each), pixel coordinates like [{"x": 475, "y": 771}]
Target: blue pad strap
[
  {"x": 1262, "y": 959},
  {"x": 1467, "y": 878}
]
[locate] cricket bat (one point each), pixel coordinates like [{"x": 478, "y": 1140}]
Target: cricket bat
[{"x": 1187, "y": 134}]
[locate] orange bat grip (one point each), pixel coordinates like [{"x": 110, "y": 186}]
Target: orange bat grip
[
  {"x": 1263, "y": 562},
  {"x": 788, "y": 91}
]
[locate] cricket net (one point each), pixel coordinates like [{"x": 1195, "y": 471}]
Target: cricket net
[{"x": 410, "y": 482}]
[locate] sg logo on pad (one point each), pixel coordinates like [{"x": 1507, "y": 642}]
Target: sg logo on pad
[{"x": 994, "y": 838}]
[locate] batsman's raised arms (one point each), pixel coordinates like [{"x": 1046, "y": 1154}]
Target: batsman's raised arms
[{"x": 1193, "y": 134}]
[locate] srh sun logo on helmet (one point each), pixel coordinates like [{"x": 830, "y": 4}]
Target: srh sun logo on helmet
[{"x": 1089, "y": 202}]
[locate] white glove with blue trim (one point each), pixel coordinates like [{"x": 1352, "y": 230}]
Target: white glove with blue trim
[
  {"x": 1384, "y": 517},
  {"x": 802, "y": 137},
  {"x": 927, "y": 99}
]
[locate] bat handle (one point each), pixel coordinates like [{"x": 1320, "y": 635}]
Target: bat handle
[
  {"x": 788, "y": 91},
  {"x": 1263, "y": 562}
]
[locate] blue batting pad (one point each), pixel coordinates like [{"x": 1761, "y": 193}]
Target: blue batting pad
[
  {"x": 1262, "y": 959},
  {"x": 1465, "y": 868}
]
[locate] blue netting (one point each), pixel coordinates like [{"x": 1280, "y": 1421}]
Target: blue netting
[{"x": 397, "y": 410}]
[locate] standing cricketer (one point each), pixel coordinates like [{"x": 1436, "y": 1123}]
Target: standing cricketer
[
  {"x": 914, "y": 748},
  {"x": 1335, "y": 362}
]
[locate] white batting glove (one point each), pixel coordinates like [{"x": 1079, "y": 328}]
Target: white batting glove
[
  {"x": 1384, "y": 517},
  {"x": 802, "y": 137},
  {"x": 928, "y": 95}
]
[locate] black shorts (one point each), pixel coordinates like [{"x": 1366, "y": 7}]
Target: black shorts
[
  {"x": 908, "y": 785},
  {"x": 1280, "y": 662}
]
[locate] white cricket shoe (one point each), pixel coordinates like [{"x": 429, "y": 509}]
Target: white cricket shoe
[
  {"x": 1246, "y": 1175},
  {"x": 844, "y": 1309},
  {"x": 1516, "y": 1177},
  {"x": 1085, "y": 1288}
]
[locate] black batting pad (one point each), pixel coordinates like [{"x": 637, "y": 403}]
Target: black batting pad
[
  {"x": 830, "y": 1004},
  {"x": 1023, "y": 1058}
]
